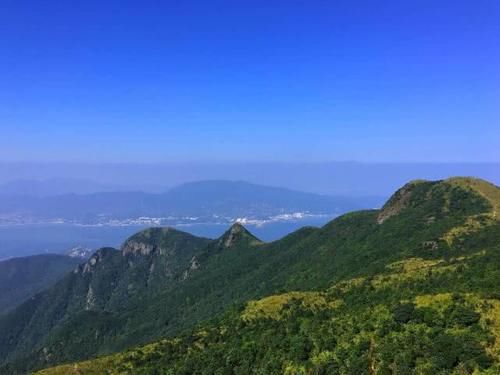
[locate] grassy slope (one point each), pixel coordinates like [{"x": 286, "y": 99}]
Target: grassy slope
[{"x": 402, "y": 296}]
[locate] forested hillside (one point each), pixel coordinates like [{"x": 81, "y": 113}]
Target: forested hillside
[
  {"x": 22, "y": 278},
  {"x": 411, "y": 288}
]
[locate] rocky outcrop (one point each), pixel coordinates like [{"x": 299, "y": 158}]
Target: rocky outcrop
[
  {"x": 194, "y": 264},
  {"x": 135, "y": 247},
  {"x": 398, "y": 202},
  {"x": 236, "y": 234},
  {"x": 90, "y": 299},
  {"x": 232, "y": 234},
  {"x": 94, "y": 260}
]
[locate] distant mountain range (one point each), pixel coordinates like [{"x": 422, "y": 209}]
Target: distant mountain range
[
  {"x": 412, "y": 287},
  {"x": 205, "y": 201},
  {"x": 334, "y": 178}
]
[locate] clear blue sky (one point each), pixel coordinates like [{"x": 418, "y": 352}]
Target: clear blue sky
[{"x": 250, "y": 80}]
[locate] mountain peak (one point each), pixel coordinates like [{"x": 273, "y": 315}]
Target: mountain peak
[
  {"x": 164, "y": 240},
  {"x": 238, "y": 234},
  {"x": 461, "y": 194},
  {"x": 486, "y": 189}
]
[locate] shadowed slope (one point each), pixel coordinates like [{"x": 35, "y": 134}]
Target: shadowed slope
[{"x": 22, "y": 278}]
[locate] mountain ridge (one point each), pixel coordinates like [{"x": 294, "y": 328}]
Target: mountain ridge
[{"x": 351, "y": 246}]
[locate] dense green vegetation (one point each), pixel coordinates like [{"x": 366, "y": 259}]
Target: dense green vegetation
[
  {"x": 87, "y": 302},
  {"x": 22, "y": 278},
  {"x": 404, "y": 321},
  {"x": 412, "y": 288}
]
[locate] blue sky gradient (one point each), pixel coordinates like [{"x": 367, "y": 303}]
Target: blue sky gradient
[{"x": 156, "y": 81}]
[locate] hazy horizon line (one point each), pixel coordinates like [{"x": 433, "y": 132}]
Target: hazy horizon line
[{"x": 249, "y": 161}]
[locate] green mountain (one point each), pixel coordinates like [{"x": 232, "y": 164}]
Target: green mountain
[
  {"x": 22, "y": 278},
  {"x": 411, "y": 288},
  {"x": 101, "y": 294}
]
